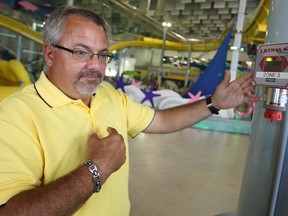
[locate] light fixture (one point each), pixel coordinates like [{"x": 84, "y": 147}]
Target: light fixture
[
  {"x": 233, "y": 47},
  {"x": 166, "y": 24},
  {"x": 241, "y": 49},
  {"x": 193, "y": 40}
]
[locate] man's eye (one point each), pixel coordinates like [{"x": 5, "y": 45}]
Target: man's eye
[
  {"x": 103, "y": 55},
  {"x": 81, "y": 53}
]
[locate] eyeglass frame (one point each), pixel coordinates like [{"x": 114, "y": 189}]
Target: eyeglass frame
[{"x": 109, "y": 55}]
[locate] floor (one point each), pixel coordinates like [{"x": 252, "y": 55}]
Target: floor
[{"x": 192, "y": 172}]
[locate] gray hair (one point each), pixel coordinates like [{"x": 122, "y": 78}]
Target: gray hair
[{"x": 54, "y": 24}]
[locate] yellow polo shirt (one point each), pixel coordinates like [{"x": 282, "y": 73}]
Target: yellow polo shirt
[{"x": 44, "y": 135}]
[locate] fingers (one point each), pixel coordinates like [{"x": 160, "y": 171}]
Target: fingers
[
  {"x": 245, "y": 77},
  {"x": 250, "y": 98},
  {"x": 111, "y": 131},
  {"x": 247, "y": 85},
  {"x": 244, "y": 82},
  {"x": 248, "y": 89},
  {"x": 108, "y": 153},
  {"x": 227, "y": 77},
  {"x": 225, "y": 82}
]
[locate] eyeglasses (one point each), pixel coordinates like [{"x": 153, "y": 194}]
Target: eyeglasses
[{"x": 86, "y": 55}]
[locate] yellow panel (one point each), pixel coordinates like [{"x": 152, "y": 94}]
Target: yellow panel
[{"x": 20, "y": 29}]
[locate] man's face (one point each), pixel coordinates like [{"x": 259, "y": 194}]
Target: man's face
[{"x": 77, "y": 79}]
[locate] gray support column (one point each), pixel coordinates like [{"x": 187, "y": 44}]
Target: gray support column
[
  {"x": 70, "y": 2},
  {"x": 238, "y": 39},
  {"x": 144, "y": 5},
  {"x": 188, "y": 66},
  {"x": 263, "y": 191},
  {"x": 159, "y": 79},
  {"x": 277, "y": 32},
  {"x": 19, "y": 48}
]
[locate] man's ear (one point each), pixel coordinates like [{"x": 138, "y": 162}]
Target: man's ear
[{"x": 48, "y": 57}]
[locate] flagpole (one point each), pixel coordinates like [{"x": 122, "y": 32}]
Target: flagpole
[
  {"x": 238, "y": 39},
  {"x": 70, "y": 2}
]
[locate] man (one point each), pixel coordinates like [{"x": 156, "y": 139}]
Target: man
[{"x": 65, "y": 137}]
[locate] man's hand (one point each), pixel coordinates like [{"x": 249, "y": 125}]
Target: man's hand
[
  {"x": 108, "y": 153},
  {"x": 231, "y": 94}
]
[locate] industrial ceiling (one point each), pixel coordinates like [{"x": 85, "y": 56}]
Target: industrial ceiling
[
  {"x": 205, "y": 20},
  {"x": 139, "y": 22}
]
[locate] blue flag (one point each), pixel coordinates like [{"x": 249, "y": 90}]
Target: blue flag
[{"x": 215, "y": 71}]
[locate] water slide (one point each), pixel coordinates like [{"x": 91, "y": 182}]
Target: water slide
[
  {"x": 252, "y": 33},
  {"x": 20, "y": 28},
  {"x": 141, "y": 42},
  {"x": 13, "y": 75}
]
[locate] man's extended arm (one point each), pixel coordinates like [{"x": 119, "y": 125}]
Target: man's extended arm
[{"x": 227, "y": 95}]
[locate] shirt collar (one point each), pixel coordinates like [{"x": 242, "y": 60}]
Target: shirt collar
[{"x": 50, "y": 94}]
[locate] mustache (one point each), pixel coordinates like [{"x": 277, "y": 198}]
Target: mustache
[{"x": 93, "y": 74}]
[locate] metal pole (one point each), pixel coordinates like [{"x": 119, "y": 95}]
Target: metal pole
[
  {"x": 19, "y": 48},
  {"x": 279, "y": 164},
  {"x": 159, "y": 79},
  {"x": 70, "y": 2},
  {"x": 188, "y": 66},
  {"x": 238, "y": 39},
  {"x": 122, "y": 59},
  {"x": 264, "y": 187},
  {"x": 278, "y": 34}
]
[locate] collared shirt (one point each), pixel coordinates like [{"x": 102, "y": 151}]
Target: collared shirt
[{"x": 44, "y": 136}]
